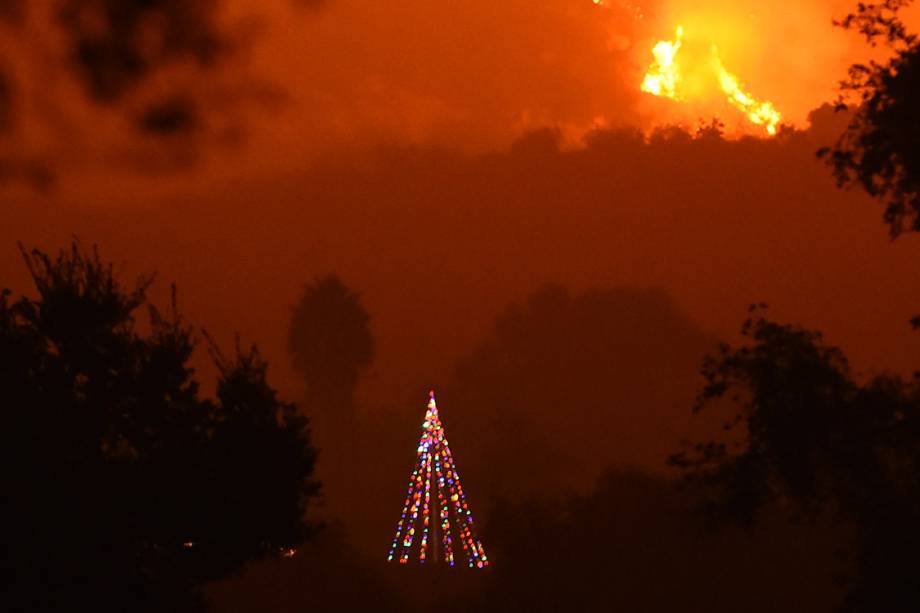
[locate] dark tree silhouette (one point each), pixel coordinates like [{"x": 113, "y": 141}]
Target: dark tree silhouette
[
  {"x": 880, "y": 150},
  {"x": 806, "y": 434},
  {"x": 331, "y": 343},
  {"x": 633, "y": 544},
  {"x": 124, "y": 489},
  {"x": 618, "y": 361}
]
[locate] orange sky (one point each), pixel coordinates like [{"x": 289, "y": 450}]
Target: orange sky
[
  {"x": 382, "y": 145},
  {"x": 474, "y": 75}
]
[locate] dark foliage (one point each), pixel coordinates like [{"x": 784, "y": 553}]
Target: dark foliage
[
  {"x": 115, "y": 44},
  {"x": 330, "y": 342},
  {"x": 807, "y": 435},
  {"x": 124, "y": 489},
  {"x": 616, "y": 360},
  {"x": 633, "y": 544},
  {"x": 880, "y": 150}
]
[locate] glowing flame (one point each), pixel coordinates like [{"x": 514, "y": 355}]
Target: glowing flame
[
  {"x": 664, "y": 78},
  {"x": 760, "y": 112},
  {"x": 663, "y": 75}
]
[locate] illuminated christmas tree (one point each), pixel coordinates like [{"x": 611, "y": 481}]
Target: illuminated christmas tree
[{"x": 435, "y": 492}]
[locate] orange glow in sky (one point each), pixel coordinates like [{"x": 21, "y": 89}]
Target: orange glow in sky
[{"x": 665, "y": 78}]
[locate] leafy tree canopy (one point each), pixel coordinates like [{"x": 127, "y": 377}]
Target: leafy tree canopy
[
  {"x": 124, "y": 488},
  {"x": 806, "y": 434},
  {"x": 880, "y": 149}
]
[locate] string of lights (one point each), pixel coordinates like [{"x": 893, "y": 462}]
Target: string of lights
[{"x": 435, "y": 459}]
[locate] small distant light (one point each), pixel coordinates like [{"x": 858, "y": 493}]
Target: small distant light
[{"x": 188, "y": 544}]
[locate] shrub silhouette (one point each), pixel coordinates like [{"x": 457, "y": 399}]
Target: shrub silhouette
[{"x": 124, "y": 489}]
